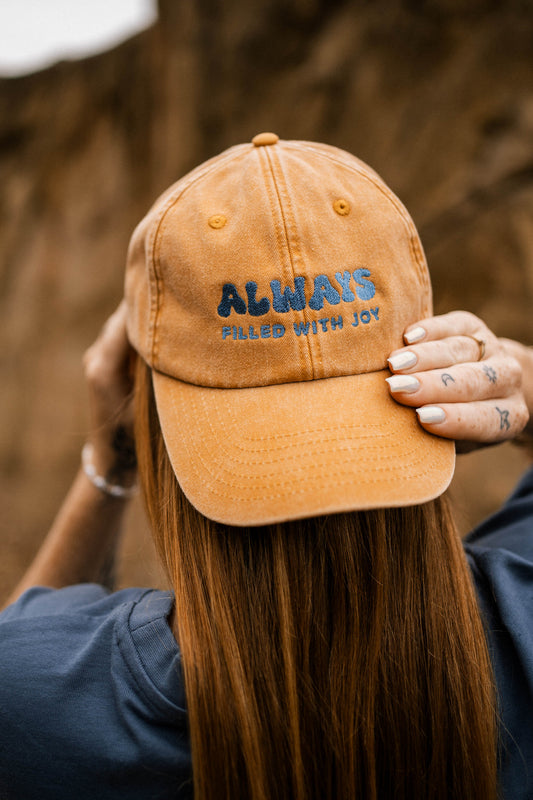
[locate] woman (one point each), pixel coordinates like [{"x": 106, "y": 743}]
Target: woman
[{"x": 326, "y": 636}]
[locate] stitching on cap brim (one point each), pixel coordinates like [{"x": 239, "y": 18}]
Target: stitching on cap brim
[{"x": 269, "y": 454}]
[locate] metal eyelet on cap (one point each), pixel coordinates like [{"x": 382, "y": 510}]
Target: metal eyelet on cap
[
  {"x": 342, "y": 207},
  {"x": 265, "y": 138},
  {"x": 218, "y": 221}
]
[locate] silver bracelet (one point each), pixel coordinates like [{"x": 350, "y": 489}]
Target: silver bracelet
[{"x": 99, "y": 481}]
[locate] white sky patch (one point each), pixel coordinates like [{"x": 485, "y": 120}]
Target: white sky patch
[{"x": 37, "y": 33}]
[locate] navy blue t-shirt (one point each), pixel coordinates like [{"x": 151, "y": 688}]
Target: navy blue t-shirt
[
  {"x": 91, "y": 694},
  {"x": 91, "y": 697},
  {"x": 500, "y": 553}
]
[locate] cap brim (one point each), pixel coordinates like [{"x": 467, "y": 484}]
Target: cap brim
[{"x": 268, "y": 454}]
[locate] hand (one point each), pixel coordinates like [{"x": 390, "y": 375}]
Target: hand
[
  {"x": 107, "y": 365},
  {"x": 462, "y": 389}
]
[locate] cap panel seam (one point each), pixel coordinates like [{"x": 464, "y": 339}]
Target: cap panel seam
[
  {"x": 290, "y": 244},
  {"x": 414, "y": 240},
  {"x": 315, "y": 344},
  {"x": 225, "y": 386},
  {"x": 157, "y": 304},
  {"x": 154, "y": 292}
]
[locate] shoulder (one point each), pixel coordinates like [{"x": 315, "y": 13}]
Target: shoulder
[
  {"x": 504, "y": 586},
  {"x": 511, "y": 527},
  {"x": 88, "y": 677},
  {"x": 89, "y": 599},
  {"x": 500, "y": 555},
  {"x": 48, "y": 633}
]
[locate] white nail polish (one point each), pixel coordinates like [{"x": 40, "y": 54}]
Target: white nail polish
[
  {"x": 402, "y": 360},
  {"x": 403, "y": 383},
  {"x": 431, "y": 414},
  {"x": 416, "y": 335}
]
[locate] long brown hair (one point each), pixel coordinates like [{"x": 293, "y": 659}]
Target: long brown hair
[{"x": 333, "y": 657}]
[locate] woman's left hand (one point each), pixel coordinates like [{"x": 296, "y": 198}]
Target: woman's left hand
[
  {"x": 107, "y": 364},
  {"x": 465, "y": 383}
]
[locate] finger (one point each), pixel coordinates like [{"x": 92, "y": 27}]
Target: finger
[
  {"x": 439, "y": 354},
  {"x": 497, "y": 378},
  {"x": 454, "y": 323},
  {"x": 481, "y": 421}
]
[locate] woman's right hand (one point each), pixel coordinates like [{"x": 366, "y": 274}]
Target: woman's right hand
[{"x": 465, "y": 383}]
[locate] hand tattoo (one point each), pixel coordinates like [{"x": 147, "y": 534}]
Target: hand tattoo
[
  {"x": 490, "y": 373},
  {"x": 446, "y": 378},
  {"x": 504, "y": 419}
]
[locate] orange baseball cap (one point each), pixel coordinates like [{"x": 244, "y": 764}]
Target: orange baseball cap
[{"x": 266, "y": 290}]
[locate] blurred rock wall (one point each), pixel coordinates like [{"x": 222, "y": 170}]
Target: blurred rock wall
[{"x": 436, "y": 96}]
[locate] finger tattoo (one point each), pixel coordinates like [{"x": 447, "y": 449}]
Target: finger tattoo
[
  {"x": 446, "y": 378},
  {"x": 504, "y": 419},
  {"x": 490, "y": 373}
]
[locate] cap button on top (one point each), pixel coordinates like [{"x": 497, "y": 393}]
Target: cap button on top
[{"x": 265, "y": 138}]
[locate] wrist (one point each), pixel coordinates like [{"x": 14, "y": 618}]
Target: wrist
[
  {"x": 113, "y": 456},
  {"x": 108, "y": 476}
]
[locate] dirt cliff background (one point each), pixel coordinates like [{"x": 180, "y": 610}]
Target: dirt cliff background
[{"x": 437, "y": 96}]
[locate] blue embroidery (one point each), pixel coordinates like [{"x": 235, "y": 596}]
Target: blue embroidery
[
  {"x": 365, "y": 289},
  {"x": 264, "y": 332},
  {"x": 283, "y": 302},
  {"x": 256, "y": 309},
  {"x": 276, "y": 330},
  {"x": 344, "y": 279},
  {"x": 288, "y": 299},
  {"x": 231, "y": 299},
  {"x": 324, "y": 289},
  {"x": 301, "y": 327},
  {"x": 365, "y": 317}
]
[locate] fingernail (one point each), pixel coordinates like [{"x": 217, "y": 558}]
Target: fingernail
[
  {"x": 402, "y": 360},
  {"x": 403, "y": 383},
  {"x": 416, "y": 335},
  {"x": 431, "y": 414}
]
